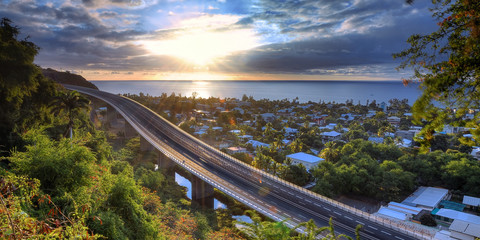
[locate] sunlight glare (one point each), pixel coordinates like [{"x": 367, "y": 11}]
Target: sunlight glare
[{"x": 201, "y": 47}]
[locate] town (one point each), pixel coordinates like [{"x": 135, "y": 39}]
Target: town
[{"x": 367, "y": 156}]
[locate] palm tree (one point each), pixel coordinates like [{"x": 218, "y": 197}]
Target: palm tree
[
  {"x": 312, "y": 231},
  {"x": 71, "y": 103},
  {"x": 264, "y": 230}
]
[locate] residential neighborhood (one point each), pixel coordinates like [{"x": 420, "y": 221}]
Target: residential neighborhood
[{"x": 323, "y": 145}]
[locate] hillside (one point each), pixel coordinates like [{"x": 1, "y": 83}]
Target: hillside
[{"x": 67, "y": 78}]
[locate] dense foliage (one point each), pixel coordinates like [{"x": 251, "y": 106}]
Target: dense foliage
[{"x": 446, "y": 63}]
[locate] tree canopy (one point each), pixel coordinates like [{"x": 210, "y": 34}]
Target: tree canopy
[{"x": 446, "y": 64}]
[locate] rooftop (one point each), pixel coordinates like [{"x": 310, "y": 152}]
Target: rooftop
[
  {"x": 466, "y": 228},
  {"x": 305, "y": 157},
  {"x": 456, "y": 215},
  {"x": 331, "y": 134},
  {"x": 427, "y": 196},
  {"x": 392, "y": 213},
  {"x": 471, "y": 201}
]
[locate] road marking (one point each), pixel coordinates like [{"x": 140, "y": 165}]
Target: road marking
[
  {"x": 308, "y": 201},
  {"x": 337, "y": 213},
  {"x": 301, "y": 215},
  {"x": 386, "y": 233},
  {"x": 399, "y": 237},
  {"x": 349, "y": 218},
  {"x": 373, "y": 227},
  {"x": 318, "y": 204},
  {"x": 360, "y": 223},
  {"x": 328, "y": 209}
]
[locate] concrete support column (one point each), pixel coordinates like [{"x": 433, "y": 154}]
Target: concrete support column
[
  {"x": 166, "y": 164},
  {"x": 111, "y": 115},
  {"x": 202, "y": 192},
  {"x": 145, "y": 146},
  {"x": 130, "y": 131}
]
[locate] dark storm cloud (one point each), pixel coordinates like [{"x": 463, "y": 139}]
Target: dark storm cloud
[
  {"x": 72, "y": 37},
  {"x": 299, "y": 36},
  {"x": 325, "y": 54},
  {"x": 127, "y": 3}
]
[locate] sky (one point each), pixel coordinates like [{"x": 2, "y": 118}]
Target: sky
[{"x": 221, "y": 39}]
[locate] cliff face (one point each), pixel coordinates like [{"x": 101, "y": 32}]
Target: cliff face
[{"x": 67, "y": 78}]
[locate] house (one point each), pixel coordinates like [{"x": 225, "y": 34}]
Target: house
[
  {"x": 233, "y": 150},
  {"x": 256, "y": 144},
  {"x": 240, "y": 110},
  {"x": 235, "y": 131},
  {"x": 385, "y": 211},
  {"x": 399, "y": 211},
  {"x": 449, "y": 215},
  {"x": 394, "y": 120},
  {"x": 268, "y": 117},
  {"x": 427, "y": 197},
  {"x": 308, "y": 160},
  {"x": 476, "y": 152},
  {"x": 383, "y": 106},
  {"x": 290, "y": 131},
  {"x": 371, "y": 113},
  {"x": 460, "y": 229},
  {"x": 375, "y": 139},
  {"x": 246, "y": 137},
  {"x": 331, "y": 126},
  {"x": 472, "y": 203},
  {"x": 405, "y": 134},
  {"x": 331, "y": 136}
]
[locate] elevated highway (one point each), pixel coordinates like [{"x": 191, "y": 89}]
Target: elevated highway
[{"x": 261, "y": 191}]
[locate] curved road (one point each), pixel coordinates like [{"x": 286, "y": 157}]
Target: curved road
[{"x": 261, "y": 191}]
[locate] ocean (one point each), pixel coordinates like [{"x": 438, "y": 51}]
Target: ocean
[{"x": 315, "y": 91}]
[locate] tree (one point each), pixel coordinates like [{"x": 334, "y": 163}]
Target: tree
[
  {"x": 24, "y": 92},
  {"x": 260, "y": 230},
  {"x": 72, "y": 103},
  {"x": 428, "y": 220},
  {"x": 446, "y": 63}
]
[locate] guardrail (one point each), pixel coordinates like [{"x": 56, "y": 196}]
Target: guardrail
[{"x": 185, "y": 137}]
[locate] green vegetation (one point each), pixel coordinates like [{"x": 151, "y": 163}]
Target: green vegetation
[
  {"x": 446, "y": 63},
  {"x": 384, "y": 172},
  {"x": 260, "y": 230},
  {"x": 54, "y": 187},
  {"x": 67, "y": 78}
]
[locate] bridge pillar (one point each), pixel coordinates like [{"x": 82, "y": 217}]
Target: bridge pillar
[
  {"x": 202, "y": 192},
  {"x": 145, "y": 146},
  {"x": 130, "y": 131},
  {"x": 111, "y": 115},
  {"x": 166, "y": 164}
]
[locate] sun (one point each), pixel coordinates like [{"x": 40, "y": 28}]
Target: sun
[{"x": 203, "y": 47}]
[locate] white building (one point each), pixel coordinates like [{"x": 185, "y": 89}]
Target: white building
[
  {"x": 476, "y": 152},
  {"x": 464, "y": 230},
  {"x": 268, "y": 117},
  {"x": 472, "y": 202},
  {"x": 308, "y": 160},
  {"x": 393, "y": 120},
  {"x": 256, "y": 144},
  {"x": 233, "y": 150},
  {"x": 331, "y": 136},
  {"x": 290, "y": 131},
  {"x": 427, "y": 197}
]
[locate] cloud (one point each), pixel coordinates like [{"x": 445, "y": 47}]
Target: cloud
[
  {"x": 137, "y": 4},
  {"x": 298, "y": 37},
  {"x": 350, "y": 50}
]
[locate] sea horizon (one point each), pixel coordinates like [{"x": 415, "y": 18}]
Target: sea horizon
[{"x": 305, "y": 90}]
